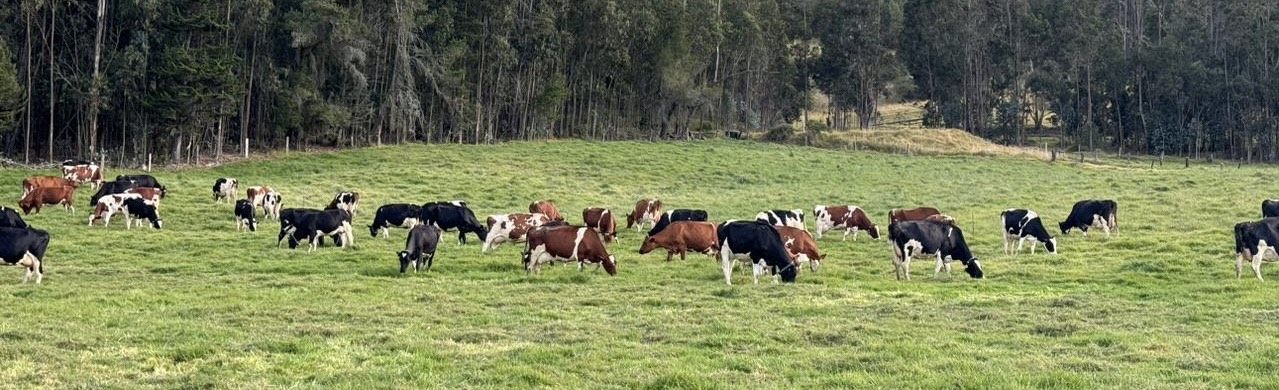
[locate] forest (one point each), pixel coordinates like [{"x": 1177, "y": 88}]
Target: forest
[{"x": 177, "y": 79}]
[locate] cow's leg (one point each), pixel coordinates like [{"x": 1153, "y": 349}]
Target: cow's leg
[
  {"x": 1239, "y": 265},
  {"x": 39, "y": 270},
  {"x": 1256, "y": 265},
  {"x": 430, "y": 260},
  {"x": 757, "y": 269},
  {"x": 937, "y": 269},
  {"x": 314, "y": 238},
  {"x": 461, "y": 237},
  {"x": 726, "y": 261},
  {"x": 1033, "y": 243},
  {"x": 947, "y": 264},
  {"x": 683, "y": 253},
  {"x": 906, "y": 265},
  {"x": 128, "y": 222}
]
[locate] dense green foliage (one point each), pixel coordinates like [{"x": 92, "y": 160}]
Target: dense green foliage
[{"x": 200, "y": 305}]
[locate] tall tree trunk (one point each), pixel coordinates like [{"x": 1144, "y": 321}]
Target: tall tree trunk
[
  {"x": 95, "y": 91},
  {"x": 26, "y": 147},
  {"x": 53, "y": 6}
]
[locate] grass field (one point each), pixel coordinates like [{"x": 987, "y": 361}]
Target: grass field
[{"x": 198, "y": 305}]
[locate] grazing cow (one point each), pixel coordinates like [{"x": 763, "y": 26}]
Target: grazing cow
[
  {"x": 850, "y": 218},
  {"x": 333, "y": 223},
  {"x": 1020, "y": 224},
  {"x": 224, "y": 189},
  {"x": 111, "y": 188},
  {"x": 137, "y": 209},
  {"x": 345, "y": 200},
  {"x": 801, "y": 247},
  {"x": 150, "y": 194},
  {"x": 911, "y": 238},
  {"x": 546, "y": 207},
  {"x": 41, "y": 196},
  {"x": 271, "y": 204},
  {"x": 601, "y": 219},
  {"x": 141, "y": 181},
  {"x": 256, "y": 195},
  {"x": 422, "y": 241},
  {"x": 108, "y": 206},
  {"x": 400, "y": 215},
  {"x": 34, "y": 182},
  {"x": 793, "y": 218},
  {"x": 1255, "y": 242},
  {"x": 676, "y": 216},
  {"x": 244, "y": 216},
  {"x": 448, "y": 216},
  {"x": 566, "y": 244},
  {"x": 681, "y": 237},
  {"x": 647, "y": 211},
  {"x": 1270, "y": 208},
  {"x": 757, "y": 242},
  {"x": 511, "y": 227},
  {"x": 289, "y": 220},
  {"x": 915, "y": 214},
  {"x": 25, "y": 247},
  {"x": 82, "y": 172},
  {"x": 1092, "y": 213},
  {"x": 10, "y": 218}
]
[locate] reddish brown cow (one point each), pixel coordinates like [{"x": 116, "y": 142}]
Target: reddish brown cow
[
  {"x": 915, "y": 214},
  {"x": 943, "y": 218},
  {"x": 34, "y": 182},
  {"x": 847, "y": 217},
  {"x": 601, "y": 219},
  {"x": 511, "y": 227},
  {"x": 647, "y": 211},
  {"x": 566, "y": 243},
  {"x": 682, "y": 236},
  {"x": 801, "y": 247},
  {"x": 82, "y": 172},
  {"x": 42, "y": 196},
  {"x": 546, "y": 207}
]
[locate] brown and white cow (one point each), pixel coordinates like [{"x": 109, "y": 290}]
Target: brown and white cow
[
  {"x": 511, "y": 227},
  {"x": 801, "y": 247},
  {"x": 34, "y": 182},
  {"x": 943, "y": 218},
  {"x": 567, "y": 244},
  {"x": 647, "y": 211},
  {"x": 149, "y": 194},
  {"x": 82, "y": 172},
  {"x": 850, "y": 218},
  {"x": 41, "y": 196},
  {"x": 546, "y": 207},
  {"x": 601, "y": 219},
  {"x": 915, "y": 214},
  {"x": 110, "y": 205},
  {"x": 683, "y": 236},
  {"x": 256, "y": 194}
]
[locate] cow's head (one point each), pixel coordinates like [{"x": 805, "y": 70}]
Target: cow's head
[
  {"x": 610, "y": 265},
  {"x": 1065, "y": 228},
  {"x": 648, "y": 246},
  {"x": 788, "y": 273},
  {"x": 406, "y": 260},
  {"x": 973, "y": 268},
  {"x": 873, "y": 231},
  {"x": 28, "y": 203},
  {"x": 1051, "y": 245}
]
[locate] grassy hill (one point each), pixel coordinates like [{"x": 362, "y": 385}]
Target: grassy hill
[{"x": 199, "y": 305}]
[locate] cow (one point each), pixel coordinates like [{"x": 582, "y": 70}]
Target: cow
[
  {"x": 137, "y": 209},
  {"x": 511, "y": 227},
  {"x": 793, "y": 218},
  {"x": 601, "y": 219},
  {"x": 224, "y": 189},
  {"x": 271, "y": 204},
  {"x": 41, "y": 196},
  {"x": 108, "y": 206},
  {"x": 34, "y": 182},
  {"x": 289, "y": 219},
  {"x": 422, "y": 241},
  {"x": 334, "y": 223},
  {"x": 111, "y": 188},
  {"x": 25, "y": 247},
  {"x": 757, "y": 242},
  {"x": 850, "y": 218},
  {"x": 647, "y": 211},
  {"x": 82, "y": 172},
  {"x": 1092, "y": 213},
  {"x": 345, "y": 200},
  {"x": 546, "y": 207},
  {"x": 151, "y": 194},
  {"x": 1270, "y": 208},
  {"x": 943, "y": 218},
  {"x": 256, "y": 194},
  {"x": 402, "y": 215},
  {"x": 915, "y": 214},
  {"x": 676, "y": 216},
  {"x": 10, "y": 218},
  {"x": 566, "y": 244},
  {"x": 801, "y": 247},
  {"x": 1021, "y": 224},
  {"x": 448, "y": 216},
  {"x": 911, "y": 238},
  {"x": 141, "y": 181},
  {"x": 683, "y": 236},
  {"x": 1255, "y": 242},
  {"x": 245, "y": 216}
]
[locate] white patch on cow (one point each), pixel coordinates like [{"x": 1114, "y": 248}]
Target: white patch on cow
[
  {"x": 33, "y": 266},
  {"x": 498, "y": 232},
  {"x": 577, "y": 242},
  {"x": 1265, "y": 252},
  {"x": 535, "y": 259}
]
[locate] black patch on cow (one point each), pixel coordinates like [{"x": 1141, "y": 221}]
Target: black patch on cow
[
  {"x": 1017, "y": 223},
  {"x": 16, "y": 242},
  {"x": 762, "y": 242},
  {"x": 138, "y": 208},
  {"x": 10, "y": 218},
  {"x": 676, "y": 216},
  {"x": 309, "y": 226},
  {"x": 448, "y": 216},
  {"x": 1270, "y": 208}
]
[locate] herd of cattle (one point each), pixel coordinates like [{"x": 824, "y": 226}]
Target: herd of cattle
[{"x": 775, "y": 241}]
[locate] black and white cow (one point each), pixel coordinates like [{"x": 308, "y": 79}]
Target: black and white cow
[
  {"x": 332, "y": 223},
  {"x": 422, "y": 241},
  {"x": 757, "y": 242},
  {"x": 224, "y": 189},
  {"x": 1256, "y": 242},
  {"x": 676, "y": 216},
  {"x": 401, "y": 215},
  {"x": 244, "y": 216},
  {"x": 1020, "y": 224},
  {"x": 111, "y": 188},
  {"x": 1092, "y": 213},
  {"x": 137, "y": 209},
  {"x": 1270, "y": 208},
  {"x": 289, "y": 220},
  {"x": 272, "y": 202},
  {"x": 450, "y": 215},
  {"x": 793, "y": 218},
  {"x": 946, "y": 241},
  {"x": 25, "y": 247},
  {"x": 10, "y": 218},
  {"x": 345, "y": 200}
]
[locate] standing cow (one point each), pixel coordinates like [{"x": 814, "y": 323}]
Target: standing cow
[
  {"x": 758, "y": 243},
  {"x": 511, "y": 227},
  {"x": 849, "y": 218},
  {"x": 244, "y": 216},
  {"x": 946, "y": 241},
  {"x": 1256, "y": 242},
  {"x": 272, "y": 202},
  {"x": 422, "y": 241},
  {"x": 1092, "y": 213},
  {"x": 41, "y": 196},
  {"x": 675, "y": 216},
  {"x": 33, "y": 182},
  {"x": 681, "y": 237},
  {"x": 25, "y": 247},
  {"x": 646, "y": 211},
  {"x": 793, "y": 218},
  {"x": 345, "y": 200},
  {"x": 546, "y": 207},
  {"x": 801, "y": 247},
  {"x": 82, "y": 172},
  {"x": 224, "y": 189},
  {"x": 448, "y": 216},
  {"x": 138, "y": 209},
  {"x": 566, "y": 243},
  {"x": 601, "y": 219},
  {"x": 401, "y": 215},
  {"x": 1020, "y": 224}
]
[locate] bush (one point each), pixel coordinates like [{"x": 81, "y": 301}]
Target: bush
[{"x": 779, "y": 134}]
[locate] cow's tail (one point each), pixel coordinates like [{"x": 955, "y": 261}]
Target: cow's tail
[{"x": 1114, "y": 219}]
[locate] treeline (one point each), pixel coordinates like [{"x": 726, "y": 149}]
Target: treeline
[{"x": 134, "y": 77}]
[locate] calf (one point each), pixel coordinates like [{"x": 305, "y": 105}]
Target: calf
[
  {"x": 401, "y": 215},
  {"x": 447, "y": 216},
  {"x": 601, "y": 219},
  {"x": 757, "y": 242},
  {"x": 546, "y": 207},
  {"x": 271, "y": 204},
  {"x": 801, "y": 247},
  {"x": 676, "y": 216},
  {"x": 422, "y": 241},
  {"x": 911, "y": 238},
  {"x": 224, "y": 189},
  {"x": 25, "y": 247},
  {"x": 915, "y": 214},
  {"x": 793, "y": 218},
  {"x": 646, "y": 211},
  {"x": 137, "y": 209},
  {"x": 1092, "y": 213},
  {"x": 1270, "y": 208},
  {"x": 244, "y": 216},
  {"x": 345, "y": 200},
  {"x": 511, "y": 227},
  {"x": 567, "y": 244},
  {"x": 332, "y": 223},
  {"x": 41, "y": 196},
  {"x": 1020, "y": 224},
  {"x": 108, "y": 206},
  {"x": 848, "y": 217},
  {"x": 1255, "y": 242},
  {"x": 115, "y": 187},
  {"x": 82, "y": 172},
  {"x": 680, "y": 237},
  {"x": 34, "y": 182},
  {"x": 10, "y": 218}
]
